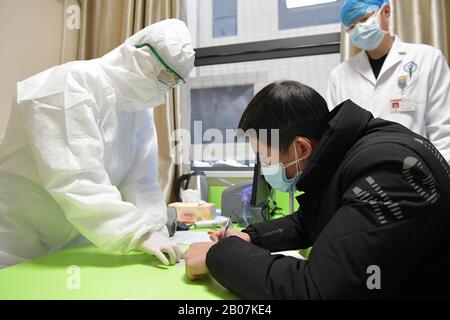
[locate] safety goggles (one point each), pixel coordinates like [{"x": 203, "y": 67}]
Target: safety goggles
[
  {"x": 362, "y": 19},
  {"x": 167, "y": 76}
]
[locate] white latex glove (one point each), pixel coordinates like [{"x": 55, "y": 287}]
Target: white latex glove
[{"x": 159, "y": 243}]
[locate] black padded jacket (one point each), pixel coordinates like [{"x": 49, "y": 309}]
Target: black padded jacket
[{"x": 376, "y": 210}]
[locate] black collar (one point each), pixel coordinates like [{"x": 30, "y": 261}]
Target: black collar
[{"x": 348, "y": 124}]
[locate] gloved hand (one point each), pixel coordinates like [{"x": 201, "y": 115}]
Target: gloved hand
[{"x": 159, "y": 243}]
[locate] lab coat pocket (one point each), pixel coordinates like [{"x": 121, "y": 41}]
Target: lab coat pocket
[
  {"x": 411, "y": 100},
  {"x": 415, "y": 93}
]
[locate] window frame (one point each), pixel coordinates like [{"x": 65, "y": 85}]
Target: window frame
[{"x": 326, "y": 43}]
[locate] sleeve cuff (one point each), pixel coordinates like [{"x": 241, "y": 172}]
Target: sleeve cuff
[
  {"x": 220, "y": 250},
  {"x": 251, "y": 231}
]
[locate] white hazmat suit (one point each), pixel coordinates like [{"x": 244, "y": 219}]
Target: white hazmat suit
[{"x": 79, "y": 156}]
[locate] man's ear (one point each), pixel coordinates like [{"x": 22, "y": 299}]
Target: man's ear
[
  {"x": 387, "y": 10},
  {"x": 304, "y": 148}
]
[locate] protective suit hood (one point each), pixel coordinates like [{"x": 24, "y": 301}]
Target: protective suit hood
[{"x": 133, "y": 67}]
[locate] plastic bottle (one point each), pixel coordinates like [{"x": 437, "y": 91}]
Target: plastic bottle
[{"x": 245, "y": 209}]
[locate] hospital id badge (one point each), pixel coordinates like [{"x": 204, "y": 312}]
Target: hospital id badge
[{"x": 402, "y": 105}]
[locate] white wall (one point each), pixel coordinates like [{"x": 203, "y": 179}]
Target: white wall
[{"x": 32, "y": 34}]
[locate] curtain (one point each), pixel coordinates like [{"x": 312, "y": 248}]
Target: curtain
[
  {"x": 415, "y": 21},
  {"x": 105, "y": 25}
]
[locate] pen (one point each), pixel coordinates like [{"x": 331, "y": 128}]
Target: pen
[{"x": 227, "y": 226}]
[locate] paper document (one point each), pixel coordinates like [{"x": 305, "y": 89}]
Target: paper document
[
  {"x": 181, "y": 263},
  {"x": 190, "y": 237},
  {"x": 291, "y": 253}
]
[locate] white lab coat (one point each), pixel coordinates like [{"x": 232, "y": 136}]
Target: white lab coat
[
  {"x": 422, "y": 105},
  {"x": 79, "y": 156}
]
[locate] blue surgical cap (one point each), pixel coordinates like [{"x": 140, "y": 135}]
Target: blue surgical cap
[{"x": 353, "y": 9}]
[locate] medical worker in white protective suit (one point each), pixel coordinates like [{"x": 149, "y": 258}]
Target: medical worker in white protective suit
[{"x": 79, "y": 156}]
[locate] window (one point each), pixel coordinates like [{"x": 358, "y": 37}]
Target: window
[
  {"x": 255, "y": 20},
  {"x": 300, "y": 13},
  {"x": 219, "y": 108},
  {"x": 230, "y": 70},
  {"x": 224, "y": 18}
]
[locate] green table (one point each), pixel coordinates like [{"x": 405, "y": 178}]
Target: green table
[{"x": 103, "y": 275}]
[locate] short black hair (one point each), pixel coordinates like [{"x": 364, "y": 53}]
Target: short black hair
[{"x": 293, "y": 108}]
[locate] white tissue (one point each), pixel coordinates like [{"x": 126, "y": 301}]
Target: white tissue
[
  {"x": 191, "y": 196},
  {"x": 218, "y": 222}
]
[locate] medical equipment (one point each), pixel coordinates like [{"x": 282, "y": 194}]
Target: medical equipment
[{"x": 236, "y": 206}]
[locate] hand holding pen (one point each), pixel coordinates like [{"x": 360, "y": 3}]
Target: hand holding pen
[{"x": 226, "y": 232}]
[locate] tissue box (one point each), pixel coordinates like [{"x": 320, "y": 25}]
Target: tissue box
[{"x": 189, "y": 213}]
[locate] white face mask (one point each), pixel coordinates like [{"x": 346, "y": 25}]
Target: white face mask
[{"x": 368, "y": 35}]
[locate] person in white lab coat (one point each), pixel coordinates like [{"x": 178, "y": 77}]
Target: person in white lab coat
[
  {"x": 397, "y": 81},
  {"x": 79, "y": 157}
]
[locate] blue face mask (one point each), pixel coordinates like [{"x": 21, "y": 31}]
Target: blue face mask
[
  {"x": 368, "y": 35},
  {"x": 275, "y": 175}
]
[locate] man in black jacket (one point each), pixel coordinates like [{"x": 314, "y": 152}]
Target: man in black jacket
[{"x": 375, "y": 208}]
